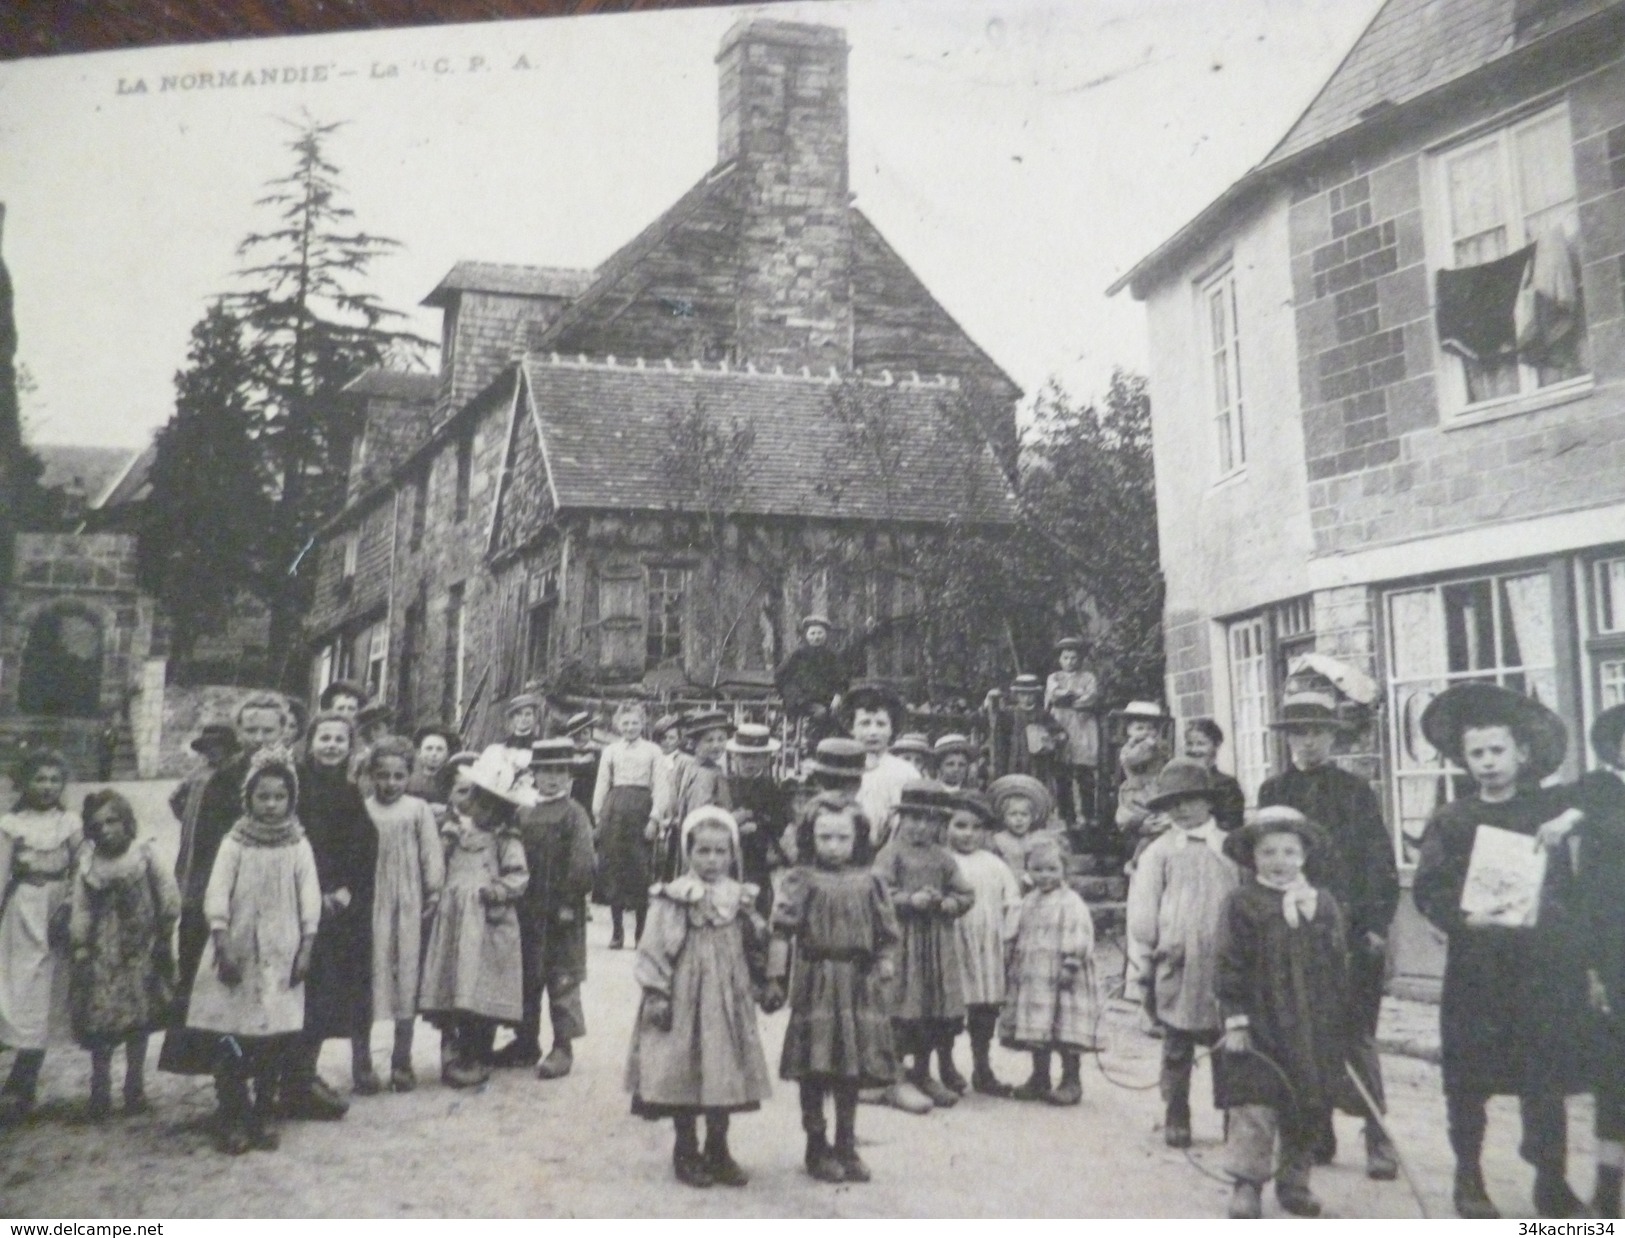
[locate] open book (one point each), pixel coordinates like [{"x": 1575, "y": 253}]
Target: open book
[{"x": 1504, "y": 877}]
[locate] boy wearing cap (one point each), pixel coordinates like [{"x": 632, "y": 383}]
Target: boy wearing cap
[
  {"x": 810, "y": 681},
  {"x": 557, "y": 837},
  {"x": 1174, "y": 902},
  {"x": 1358, "y": 868},
  {"x": 700, "y": 781},
  {"x": 761, "y": 806},
  {"x": 953, "y": 753}
]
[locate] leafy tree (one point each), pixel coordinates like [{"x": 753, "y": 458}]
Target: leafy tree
[
  {"x": 312, "y": 328},
  {"x": 202, "y": 535},
  {"x": 22, "y": 501}
]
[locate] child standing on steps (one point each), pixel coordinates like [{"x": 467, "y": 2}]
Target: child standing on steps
[
  {"x": 125, "y": 905},
  {"x": 1052, "y": 1005},
  {"x": 695, "y": 1050},
  {"x": 838, "y": 915},
  {"x": 263, "y": 905},
  {"x": 39, "y": 839},
  {"x": 406, "y": 888},
  {"x": 983, "y": 934}
]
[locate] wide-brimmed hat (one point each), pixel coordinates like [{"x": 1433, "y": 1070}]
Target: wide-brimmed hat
[
  {"x": 1023, "y": 786},
  {"x": 913, "y": 743},
  {"x": 1606, "y": 732},
  {"x": 952, "y": 742},
  {"x": 1465, "y": 705},
  {"x": 706, "y": 720},
  {"x": 378, "y": 711},
  {"x": 525, "y": 700},
  {"x": 839, "y": 759},
  {"x": 434, "y": 728},
  {"x": 1309, "y": 700},
  {"x": 1027, "y": 683},
  {"x": 753, "y": 739},
  {"x": 1179, "y": 778},
  {"x": 1074, "y": 643},
  {"x": 1277, "y": 819},
  {"x": 815, "y": 621},
  {"x": 929, "y": 798},
  {"x": 665, "y": 724},
  {"x": 576, "y": 723},
  {"x": 493, "y": 774},
  {"x": 556, "y": 753},
  {"x": 1148, "y": 711},
  {"x": 222, "y": 738}
]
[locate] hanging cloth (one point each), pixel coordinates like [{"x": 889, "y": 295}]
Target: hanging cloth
[
  {"x": 1474, "y": 306},
  {"x": 1546, "y": 312}
]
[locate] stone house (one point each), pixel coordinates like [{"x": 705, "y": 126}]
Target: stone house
[
  {"x": 1365, "y": 445},
  {"x": 646, "y": 473}
]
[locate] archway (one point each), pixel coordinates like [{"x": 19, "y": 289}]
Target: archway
[{"x": 62, "y": 665}]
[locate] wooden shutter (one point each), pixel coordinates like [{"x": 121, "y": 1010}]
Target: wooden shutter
[{"x": 621, "y": 603}]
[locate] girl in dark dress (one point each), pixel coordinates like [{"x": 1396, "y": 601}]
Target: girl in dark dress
[
  {"x": 838, "y": 914},
  {"x": 1513, "y": 1007},
  {"x": 1281, "y": 978},
  {"x": 338, "y": 991}
]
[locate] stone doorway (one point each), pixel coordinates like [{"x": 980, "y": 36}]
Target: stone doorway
[{"x": 61, "y": 674}]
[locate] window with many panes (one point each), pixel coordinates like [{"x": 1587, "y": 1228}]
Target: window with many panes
[
  {"x": 894, "y": 613},
  {"x": 1605, "y": 633},
  {"x": 1493, "y": 195},
  {"x": 663, "y": 631},
  {"x": 1250, "y": 701},
  {"x": 1224, "y": 370},
  {"x": 1495, "y": 629}
]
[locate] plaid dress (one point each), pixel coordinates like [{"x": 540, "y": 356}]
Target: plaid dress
[{"x": 1038, "y": 1014}]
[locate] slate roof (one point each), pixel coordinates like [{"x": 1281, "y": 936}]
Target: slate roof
[
  {"x": 509, "y": 277},
  {"x": 1410, "y": 49},
  {"x": 131, "y": 485},
  {"x": 390, "y": 384},
  {"x": 90, "y": 470},
  {"x": 607, "y": 437}
]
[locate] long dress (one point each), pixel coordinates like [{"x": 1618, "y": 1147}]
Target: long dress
[
  {"x": 266, "y": 897},
  {"x": 842, "y": 924},
  {"x": 1055, "y": 928},
  {"x": 338, "y": 991},
  {"x": 928, "y": 974},
  {"x": 622, "y": 803},
  {"x": 1292, "y": 984},
  {"x": 124, "y": 910},
  {"x": 36, "y": 863},
  {"x": 411, "y": 870},
  {"x": 985, "y": 930},
  {"x": 696, "y": 952},
  {"x": 472, "y": 965},
  {"x": 1512, "y": 1014}
]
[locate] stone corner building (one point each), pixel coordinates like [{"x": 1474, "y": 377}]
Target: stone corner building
[
  {"x": 646, "y": 473},
  {"x": 1336, "y": 470}
]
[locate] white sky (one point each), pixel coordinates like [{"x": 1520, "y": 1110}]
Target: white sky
[{"x": 1019, "y": 155}]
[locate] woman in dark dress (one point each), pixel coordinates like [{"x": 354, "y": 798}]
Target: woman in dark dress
[
  {"x": 338, "y": 990},
  {"x": 1512, "y": 1014}
]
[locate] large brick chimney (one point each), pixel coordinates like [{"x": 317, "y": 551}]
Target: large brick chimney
[{"x": 782, "y": 119}]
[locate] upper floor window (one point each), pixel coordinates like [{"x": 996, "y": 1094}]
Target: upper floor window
[
  {"x": 1224, "y": 360},
  {"x": 1505, "y": 234},
  {"x": 352, "y": 553}
]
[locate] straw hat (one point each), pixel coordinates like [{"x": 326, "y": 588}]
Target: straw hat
[
  {"x": 1277, "y": 819},
  {"x": 493, "y": 774},
  {"x": 929, "y": 799},
  {"x": 1022, "y": 786},
  {"x": 839, "y": 760},
  {"x": 557, "y": 753},
  {"x": 753, "y": 739},
  {"x": 1148, "y": 711},
  {"x": 815, "y": 621},
  {"x": 911, "y": 744},
  {"x": 953, "y": 742},
  {"x": 1309, "y": 701},
  {"x": 697, "y": 724}
]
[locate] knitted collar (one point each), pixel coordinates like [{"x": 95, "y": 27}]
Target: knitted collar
[{"x": 251, "y": 833}]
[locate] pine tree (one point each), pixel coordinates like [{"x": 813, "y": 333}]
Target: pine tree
[
  {"x": 202, "y": 535},
  {"x": 312, "y": 329}
]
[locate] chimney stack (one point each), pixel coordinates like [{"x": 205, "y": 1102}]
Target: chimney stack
[{"x": 783, "y": 122}]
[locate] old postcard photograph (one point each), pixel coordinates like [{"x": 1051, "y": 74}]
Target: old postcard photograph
[{"x": 839, "y": 608}]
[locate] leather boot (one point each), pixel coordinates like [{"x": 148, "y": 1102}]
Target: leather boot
[
  {"x": 1292, "y": 1188},
  {"x": 685, "y": 1156},
  {"x": 725, "y": 1171},
  {"x": 821, "y": 1162},
  {"x": 1471, "y": 1199},
  {"x": 1553, "y": 1196},
  {"x": 1381, "y": 1162}
]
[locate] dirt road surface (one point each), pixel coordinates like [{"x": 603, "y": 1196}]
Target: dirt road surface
[{"x": 520, "y": 1147}]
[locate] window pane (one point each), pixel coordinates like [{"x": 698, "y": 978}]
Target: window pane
[
  {"x": 1612, "y": 674},
  {"x": 1611, "y": 595},
  {"x": 1469, "y": 626},
  {"x": 1545, "y": 164},
  {"x": 1477, "y": 213},
  {"x": 1418, "y": 652},
  {"x": 1526, "y": 622}
]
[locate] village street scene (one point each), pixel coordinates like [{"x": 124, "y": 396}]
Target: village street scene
[{"x": 812, "y": 639}]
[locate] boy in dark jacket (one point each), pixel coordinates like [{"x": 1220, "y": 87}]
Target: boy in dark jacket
[{"x": 557, "y": 836}]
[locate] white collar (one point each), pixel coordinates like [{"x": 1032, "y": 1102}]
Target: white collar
[{"x": 1208, "y": 832}]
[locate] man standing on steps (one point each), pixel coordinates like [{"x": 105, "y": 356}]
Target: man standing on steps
[{"x": 1361, "y": 874}]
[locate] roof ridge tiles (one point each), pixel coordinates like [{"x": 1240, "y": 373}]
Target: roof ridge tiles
[{"x": 724, "y": 368}]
